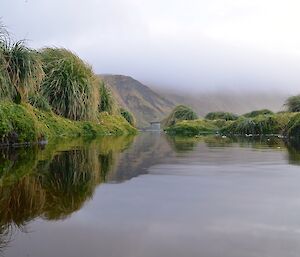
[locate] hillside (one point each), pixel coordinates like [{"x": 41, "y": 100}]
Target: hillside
[
  {"x": 148, "y": 104},
  {"x": 144, "y": 103}
]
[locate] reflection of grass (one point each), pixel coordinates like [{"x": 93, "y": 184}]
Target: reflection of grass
[
  {"x": 293, "y": 147},
  {"x": 15, "y": 164},
  {"x": 54, "y": 182},
  {"x": 69, "y": 182},
  {"x": 180, "y": 143},
  {"x": 106, "y": 162},
  {"x": 21, "y": 201}
]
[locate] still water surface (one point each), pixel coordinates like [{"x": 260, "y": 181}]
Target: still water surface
[{"x": 151, "y": 196}]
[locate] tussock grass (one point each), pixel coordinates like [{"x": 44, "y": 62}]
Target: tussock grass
[
  {"x": 128, "y": 116},
  {"x": 69, "y": 84},
  {"x": 179, "y": 113},
  {"x": 257, "y": 113},
  {"x": 221, "y": 116},
  {"x": 192, "y": 128},
  {"x": 293, "y": 126},
  {"x": 40, "y": 102},
  {"x": 21, "y": 70},
  {"x": 260, "y": 125},
  {"x": 293, "y": 103},
  {"x": 106, "y": 100},
  {"x": 281, "y": 123}
]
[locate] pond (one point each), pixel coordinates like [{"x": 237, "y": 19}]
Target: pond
[{"x": 151, "y": 196}]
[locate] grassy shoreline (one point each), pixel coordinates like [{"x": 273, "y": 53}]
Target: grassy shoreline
[
  {"x": 24, "y": 124},
  {"x": 283, "y": 124}
]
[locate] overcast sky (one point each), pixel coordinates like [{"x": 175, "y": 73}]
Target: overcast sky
[{"x": 193, "y": 44}]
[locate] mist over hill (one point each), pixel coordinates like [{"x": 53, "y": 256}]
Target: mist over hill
[
  {"x": 149, "y": 104},
  {"x": 230, "y": 101}
]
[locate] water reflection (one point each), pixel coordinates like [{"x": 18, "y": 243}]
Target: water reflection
[
  {"x": 183, "y": 144},
  {"x": 52, "y": 183},
  {"x": 55, "y": 182},
  {"x": 293, "y": 148}
]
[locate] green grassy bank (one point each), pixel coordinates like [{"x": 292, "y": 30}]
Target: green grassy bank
[
  {"x": 285, "y": 124},
  {"x": 22, "y": 123}
]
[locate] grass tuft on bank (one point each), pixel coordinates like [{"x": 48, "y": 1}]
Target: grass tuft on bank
[
  {"x": 259, "y": 125},
  {"x": 192, "y": 128}
]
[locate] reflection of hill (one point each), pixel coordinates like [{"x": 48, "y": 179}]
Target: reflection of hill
[
  {"x": 152, "y": 148},
  {"x": 148, "y": 149}
]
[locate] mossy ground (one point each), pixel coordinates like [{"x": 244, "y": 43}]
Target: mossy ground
[{"x": 24, "y": 123}]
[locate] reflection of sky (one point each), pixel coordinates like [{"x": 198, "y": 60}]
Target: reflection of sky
[{"x": 242, "y": 209}]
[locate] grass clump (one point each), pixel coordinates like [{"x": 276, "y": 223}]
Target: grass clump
[
  {"x": 293, "y": 126},
  {"x": 40, "y": 102},
  {"x": 293, "y": 103},
  {"x": 192, "y": 128},
  {"x": 69, "y": 84},
  {"x": 128, "y": 116},
  {"x": 221, "y": 116},
  {"x": 106, "y": 101},
  {"x": 260, "y": 125},
  {"x": 257, "y": 113},
  {"x": 21, "y": 71},
  {"x": 17, "y": 124},
  {"x": 180, "y": 113}
]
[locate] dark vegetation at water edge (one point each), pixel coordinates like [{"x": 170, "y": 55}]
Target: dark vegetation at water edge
[
  {"x": 50, "y": 93},
  {"x": 259, "y": 122}
]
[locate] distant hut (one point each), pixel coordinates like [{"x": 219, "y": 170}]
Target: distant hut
[{"x": 154, "y": 126}]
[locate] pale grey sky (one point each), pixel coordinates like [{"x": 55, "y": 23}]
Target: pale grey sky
[{"x": 193, "y": 44}]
